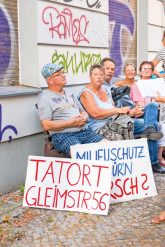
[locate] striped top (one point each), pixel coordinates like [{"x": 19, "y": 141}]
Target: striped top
[{"x": 161, "y": 55}]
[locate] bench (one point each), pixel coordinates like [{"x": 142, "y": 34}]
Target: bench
[{"x": 49, "y": 149}]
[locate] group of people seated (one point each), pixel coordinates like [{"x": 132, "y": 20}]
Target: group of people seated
[{"x": 93, "y": 115}]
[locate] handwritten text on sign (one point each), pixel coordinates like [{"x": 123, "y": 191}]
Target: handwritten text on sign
[
  {"x": 66, "y": 184},
  {"x": 132, "y": 176}
]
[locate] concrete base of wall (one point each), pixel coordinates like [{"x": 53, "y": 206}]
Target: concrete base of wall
[{"x": 13, "y": 160}]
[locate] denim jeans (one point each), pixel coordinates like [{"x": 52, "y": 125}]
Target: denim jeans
[
  {"x": 151, "y": 115},
  {"x": 149, "y": 119}
]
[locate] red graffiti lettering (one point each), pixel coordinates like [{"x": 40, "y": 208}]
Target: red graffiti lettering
[{"x": 65, "y": 25}]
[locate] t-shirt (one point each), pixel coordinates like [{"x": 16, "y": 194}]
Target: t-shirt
[
  {"x": 54, "y": 106},
  {"x": 162, "y": 72},
  {"x": 136, "y": 96},
  {"x": 135, "y": 93},
  {"x": 161, "y": 55}
]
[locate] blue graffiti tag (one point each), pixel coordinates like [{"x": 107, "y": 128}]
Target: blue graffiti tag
[
  {"x": 7, "y": 127},
  {"x": 5, "y": 44},
  {"x": 125, "y": 18}
]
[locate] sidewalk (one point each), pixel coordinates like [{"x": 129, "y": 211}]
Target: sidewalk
[{"x": 127, "y": 224}]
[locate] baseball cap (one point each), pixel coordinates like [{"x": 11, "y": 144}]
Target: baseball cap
[{"x": 50, "y": 68}]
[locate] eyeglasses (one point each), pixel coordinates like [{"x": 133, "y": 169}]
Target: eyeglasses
[
  {"x": 59, "y": 74},
  {"x": 145, "y": 69}
]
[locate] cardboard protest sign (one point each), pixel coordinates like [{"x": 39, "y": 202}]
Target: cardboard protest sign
[
  {"x": 151, "y": 87},
  {"x": 68, "y": 184},
  {"x": 132, "y": 176}
]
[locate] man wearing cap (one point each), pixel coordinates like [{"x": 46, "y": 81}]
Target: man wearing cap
[{"x": 61, "y": 114}]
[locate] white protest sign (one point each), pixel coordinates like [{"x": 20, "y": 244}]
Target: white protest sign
[
  {"x": 132, "y": 176},
  {"x": 68, "y": 184},
  {"x": 151, "y": 87}
]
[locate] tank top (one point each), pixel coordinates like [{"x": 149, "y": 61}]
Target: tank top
[{"x": 93, "y": 123}]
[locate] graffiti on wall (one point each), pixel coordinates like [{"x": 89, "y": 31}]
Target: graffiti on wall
[
  {"x": 75, "y": 60},
  {"x": 72, "y": 37},
  {"x": 74, "y": 63},
  {"x": 96, "y": 5},
  {"x": 120, "y": 20},
  {"x": 5, "y": 43},
  {"x": 70, "y": 26},
  {"x": 6, "y": 128},
  {"x": 65, "y": 25},
  {"x": 90, "y": 3}
]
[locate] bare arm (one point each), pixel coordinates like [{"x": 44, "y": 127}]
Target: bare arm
[
  {"x": 155, "y": 62},
  {"x": 119, "y": 83},
  {"x": 77, "y": 122},
  {"x": 88, "y": 101},
  {"x": 160, "y": 99}
]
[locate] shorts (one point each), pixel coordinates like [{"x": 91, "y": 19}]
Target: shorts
[{"x": 63, "y": 141}]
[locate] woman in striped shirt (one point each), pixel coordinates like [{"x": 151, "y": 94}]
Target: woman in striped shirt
[{"x": 160, "y": 57}]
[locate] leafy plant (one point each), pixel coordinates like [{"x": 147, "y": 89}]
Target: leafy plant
[{"x": 22, "y": 188}]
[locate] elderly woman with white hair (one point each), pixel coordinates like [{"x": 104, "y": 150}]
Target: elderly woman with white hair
[{"x": 145, "y": 115}]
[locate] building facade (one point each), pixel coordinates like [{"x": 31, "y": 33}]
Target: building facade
[{"x": 74, "y": 33}]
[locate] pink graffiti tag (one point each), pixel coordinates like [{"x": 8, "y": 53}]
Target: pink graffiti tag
[{"x": 64, "y": 25}]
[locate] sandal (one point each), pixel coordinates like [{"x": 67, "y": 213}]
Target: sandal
[{"x": 159, "y": 219}]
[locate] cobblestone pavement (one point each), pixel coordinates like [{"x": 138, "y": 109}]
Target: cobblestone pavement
[{"x": 127, "y": 224}]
